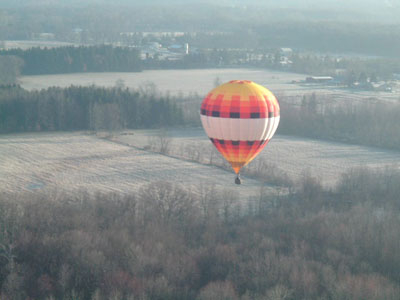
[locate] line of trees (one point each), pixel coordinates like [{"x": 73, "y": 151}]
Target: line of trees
[
  {"x": 10, "y": 67},
  {"x": 95, "y": 108},
  {"x": 70, "y": 59},
  {"x": 84, "y": 108},
  {"x": 361, "y": 69},
  {"x": 373, "y": 123},
  {"x": 165, "y": 242},
  {"x": 106, "y": 58},
  {"x": 370, "y": 123}
]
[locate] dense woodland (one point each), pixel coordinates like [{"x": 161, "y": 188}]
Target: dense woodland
[
  {"x": 84, "y": 108},
  {"x": 107, "y": 58},
  {"x": 372, "y": 123},
  {"x": 10, "y": 67},
  {"x": 346, "y": 70},
  {"x": 77, "y": 59},
  {"x": 164, "y": 242},
  {"x": 95, "y": 108}
]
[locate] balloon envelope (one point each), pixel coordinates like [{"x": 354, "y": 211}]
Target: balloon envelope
[{"x": 240, "y": 117}]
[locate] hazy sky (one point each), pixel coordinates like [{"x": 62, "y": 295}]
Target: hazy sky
[
  {"x": 355, "y": 4},
  {"x": 371, "y": 11}
]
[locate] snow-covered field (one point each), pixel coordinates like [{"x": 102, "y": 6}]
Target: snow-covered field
[
  {"x": 173, "y": 81},
  {"x": 203, "y": 80},
  {"x": 294, "y": 156},
  {"x": 27, "y": 44},
  {"x": 70, "y": 162}
]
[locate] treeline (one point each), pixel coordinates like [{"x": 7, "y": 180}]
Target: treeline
[
  {"x": 94, "y": 108},
  {"x": 85, "y": 108},
  {"x": 350, "y": 69},
  {"x": 70, "y": 59},
  {"x": 10, "y": 67},
  {"x": 106, "y": 58},
  {"x": 201, "y": 59},
  {"x": 165, "y": 242},
  {"x": 373, "y": 123}
]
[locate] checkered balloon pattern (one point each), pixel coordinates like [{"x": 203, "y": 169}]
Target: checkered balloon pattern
[{"x": 240, "y": 117}]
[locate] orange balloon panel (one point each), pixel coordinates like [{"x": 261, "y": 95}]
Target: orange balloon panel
[{"x": 240, "y": 117}]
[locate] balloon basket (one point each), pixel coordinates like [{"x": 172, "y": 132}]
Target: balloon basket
[{"x": 237, "y": 180}]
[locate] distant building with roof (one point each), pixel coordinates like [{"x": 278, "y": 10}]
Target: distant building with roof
[
  {"x": 46, "y": 36},
  {"x": 286, "y": 51},
  {"x": 319, "y": 79}
]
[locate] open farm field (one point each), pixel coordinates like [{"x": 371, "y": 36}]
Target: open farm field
[
  {"x": 200, "y": 81},
  {"x": 27, "y": 44},
  {"x": 72, "y": 162},
  {"x": 293, "y": 156}
]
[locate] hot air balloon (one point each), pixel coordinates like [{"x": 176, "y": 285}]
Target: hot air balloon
[{"x": 240, "y": 117}]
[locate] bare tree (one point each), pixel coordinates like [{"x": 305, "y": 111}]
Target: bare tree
[
  {"x": 120, "y": 83},
  {"x": 161, "y": 142},
  {"x": 217, "y": 81},
  {"x": 218, "y": 290},
  {"x": 279, "y": 292}
]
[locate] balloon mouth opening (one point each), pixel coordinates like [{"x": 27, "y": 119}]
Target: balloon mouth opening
[{"x": 236, "y": 168}]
